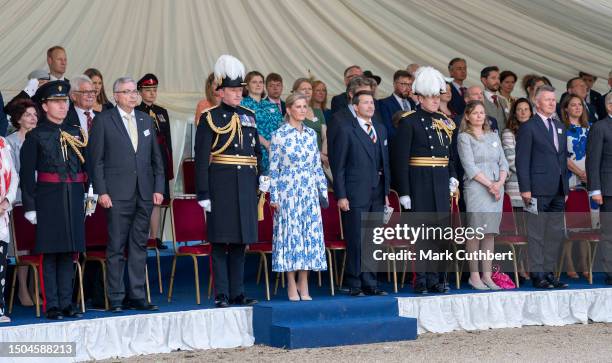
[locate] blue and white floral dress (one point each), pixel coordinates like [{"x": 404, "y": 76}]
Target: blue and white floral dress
[
  {"x": 576, "y": 150},
  {"x": 297, "y": 180}
]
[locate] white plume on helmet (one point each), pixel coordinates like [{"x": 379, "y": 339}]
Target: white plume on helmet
[
  {"x": 428, "y": 81},
  {"x": 228, "y": 66}
]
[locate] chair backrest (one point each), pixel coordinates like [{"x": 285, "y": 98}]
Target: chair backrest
[
  {"x": 397, "y": 209},
  {"x": 189, "y": 186},
  {"x": 455, "y": 213},
  {"x": 188, "y": 220},
  {"x": 24, "y": 232},
  {"x": 265, "y": 227},
  {"x": 96, "y": 229},
  {"x": 508, "y": 221},
  {"x": 332, "y": 225},
  {"x": 578, "y": 210}
]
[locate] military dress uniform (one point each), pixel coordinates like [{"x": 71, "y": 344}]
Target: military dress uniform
[
  {"x": 162, "y": 126},
  {"x": 227, "y": 152},
  {"x": 52, "y": 179},
  {"x": 423, "y": 166}
]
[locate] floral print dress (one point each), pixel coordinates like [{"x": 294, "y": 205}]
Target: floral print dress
[
  {"x": 268, "y": 119},
  {"x": 576, "y": 150},
  {"x": 297, "y": 181}
]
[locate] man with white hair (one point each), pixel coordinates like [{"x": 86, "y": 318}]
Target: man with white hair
[
  {"x": 424, "y": 171},
  {"x": 83, "y": 96}
]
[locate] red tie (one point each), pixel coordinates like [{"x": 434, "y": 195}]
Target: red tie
[
  {"x": 462, "y": 89},
  {"x": 89, "y": 120},
  {"x": 494, "y": 99}
]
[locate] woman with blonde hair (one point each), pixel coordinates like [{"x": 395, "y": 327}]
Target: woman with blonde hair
[
  {"x": 211, "y": 97},
  {"x": 315, "y": 119}
]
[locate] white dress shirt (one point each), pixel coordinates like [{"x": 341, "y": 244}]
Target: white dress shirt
[
  {"x": 83, "y": 118},
  {"x": 401, "y": 102},
  {"x": 123, "y": 115}
]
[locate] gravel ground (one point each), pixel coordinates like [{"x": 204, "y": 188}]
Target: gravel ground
[{"x": 572, "y": 343}]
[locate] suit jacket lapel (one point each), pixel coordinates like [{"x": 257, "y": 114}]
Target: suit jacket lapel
[
  {"x": 544, "y": 130},
  {"x": 140, "y": 125},
  {"x": 363, "y": 138}
]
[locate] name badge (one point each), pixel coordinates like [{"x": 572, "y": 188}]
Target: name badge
[
  {"x": 315, "y": 119},
  {"x": 559, "y": 131},
  {"x": 147, "y": 132},
  {"x": 494, "y": 144},
  {"x": 272, "y": 110},
  {"x": 385, "y": 143}
]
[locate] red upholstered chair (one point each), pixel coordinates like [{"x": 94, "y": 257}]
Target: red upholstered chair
[
  {"x": 189, "y": 186},
  {"x": 188, "y": 221},
  {"x": 96, "y": 240},
  {"x": 510, "y": 236},
  {"x": 334, "y": 238},
  {"x": 24, "y": 239},
  {"x": 263, "y": 247},
  {"x": 579, "y": 227},
  {"x": 394, "y": 245}
]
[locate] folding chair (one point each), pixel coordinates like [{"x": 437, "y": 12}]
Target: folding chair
[
  {"x": 263, "y": 246},
  {"x": 509, "y": 235},
  {"x": 579, "y": 227},
  {"x": 188, "y": 221}
]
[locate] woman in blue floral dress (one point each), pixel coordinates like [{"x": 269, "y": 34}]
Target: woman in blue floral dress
[
  {"x": 576, "y": 120},
  {"x": 298, "y": 185},
  {"x": 267, "y": 115}
]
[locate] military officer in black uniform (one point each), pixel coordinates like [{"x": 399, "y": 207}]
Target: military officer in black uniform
[
  {"x": 147, "y": 87},
  {"x": 227, "y": 154},
  {"x": 424, "y": 169},
  {"x": 52, "y": 180}
]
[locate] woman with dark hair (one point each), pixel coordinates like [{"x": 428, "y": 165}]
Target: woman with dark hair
[
  {"x": 102, "y": 102},
  {"x": 267, "y": 115},
  {"x": 485, "y": 166},
  {"x": 576, "y": 120},
  {"x": 24, "y": 118},
  {"x": 520, "y": 112},
  {"x": 211, "y": 97},
  {"x": 445, "y": 105},
  {"x": 530, "y": 83},
  {"x": 507, "y": 80}
]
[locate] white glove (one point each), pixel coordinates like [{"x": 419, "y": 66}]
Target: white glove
[
  {"x": 205, "y": 204},
  {"x": 406, "y": 202},
  {"x": 453, "y": 184},
  {"x": 31, "y": 87},
  {"x": 264, "y": 183},
  {"x": 31, "y": 216}
]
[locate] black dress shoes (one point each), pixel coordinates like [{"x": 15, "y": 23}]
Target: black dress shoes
[
  {"x": 421, "y": 289},
  {"x": 439, "y": 288},
  {"x": 141, "y": 305},
  {"x": 242, "y": 300},
  {"x": 71, "y": 312},
  {"x": 541, "y": 284},
  {"x": 556, "y": 284},
  {"x": 356, "y": 292},
  {"x": 221, "y": 301},
  {"x": 116, "y": 309},
  {"x": 373, "y": 291},
  {"x": 609, "y": 281},
  {"x": 54, "y": 314}
]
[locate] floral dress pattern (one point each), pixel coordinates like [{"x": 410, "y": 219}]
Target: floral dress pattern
[
  {"x": 269, "y": 119},
  {"x": 297, "y": 180},
  {"x": 576, "y": 150}
]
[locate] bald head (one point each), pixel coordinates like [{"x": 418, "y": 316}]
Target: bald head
[{"x": 474, "y": 93}]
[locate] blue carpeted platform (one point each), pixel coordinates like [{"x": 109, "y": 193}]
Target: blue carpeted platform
[{"x": 324, "y": 323}]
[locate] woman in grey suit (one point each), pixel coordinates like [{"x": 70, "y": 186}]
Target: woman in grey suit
[{"x": 486, "y": 168}]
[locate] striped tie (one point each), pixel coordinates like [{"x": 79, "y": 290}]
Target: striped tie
[{"x": 370, "y": 131}]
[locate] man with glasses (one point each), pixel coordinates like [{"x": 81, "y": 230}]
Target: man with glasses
[
  {"x": 128, "y": 176},
  {"x": 399, "y": 100},
  {"x": 83, "y": 96}
]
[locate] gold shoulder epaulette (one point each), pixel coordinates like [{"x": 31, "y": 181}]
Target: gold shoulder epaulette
[
  {"x": 246, "y": 108},
  {"x": 408, "y": 113},
  {"x": 210, "y": 108}
]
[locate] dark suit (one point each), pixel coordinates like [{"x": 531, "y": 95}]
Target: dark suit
[
  {"x": 130, "y": 178},
  {"x": 339, "y": 102},
  {"x": 457, "y": 102},
  {"x": 388, "y": 107},
  {"x": 362, "y": 175},
  {"x": 542, "y": 169},
  {"x": 598, "y": 102},
  {"x": 599, "y": 176}
]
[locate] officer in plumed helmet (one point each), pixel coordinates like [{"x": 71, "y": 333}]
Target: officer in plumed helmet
[
  {"x": 52, "y": 179},
  {"x": 227, "y": 155},
  {"x": 424, "y": 174},
  {"x": 147, "y": 87}
]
